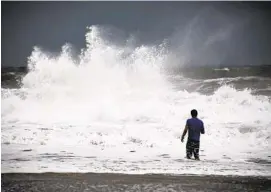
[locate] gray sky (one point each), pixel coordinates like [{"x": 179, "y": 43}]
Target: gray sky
[{"x": 213, "y": 32}]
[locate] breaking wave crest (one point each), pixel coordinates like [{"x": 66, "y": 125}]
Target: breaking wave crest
[{"x": 111, "y": 94}]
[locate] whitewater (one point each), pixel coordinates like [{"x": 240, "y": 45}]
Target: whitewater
[{"x": 115, "y": 108}]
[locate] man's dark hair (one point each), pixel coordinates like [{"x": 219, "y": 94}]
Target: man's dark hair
[{"x": 194, "y": 113}]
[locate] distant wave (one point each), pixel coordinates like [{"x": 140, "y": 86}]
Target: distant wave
[{"x": 223, "y": 69}]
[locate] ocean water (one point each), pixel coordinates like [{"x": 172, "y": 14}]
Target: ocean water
[{"x": 122, "y": 108}]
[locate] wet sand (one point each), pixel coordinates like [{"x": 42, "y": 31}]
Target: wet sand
[{"x": 123, "y": 182}]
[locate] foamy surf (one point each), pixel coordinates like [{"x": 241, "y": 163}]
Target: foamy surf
[{"x": 114, "y": 110}]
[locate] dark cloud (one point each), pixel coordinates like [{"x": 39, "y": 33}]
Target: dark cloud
[{"x": 238, "y": 32}]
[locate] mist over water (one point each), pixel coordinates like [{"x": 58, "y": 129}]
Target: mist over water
[{"x": 117, "y": 97}]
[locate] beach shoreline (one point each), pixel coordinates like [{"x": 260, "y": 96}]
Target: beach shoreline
[{"x": 131, "y": 182}]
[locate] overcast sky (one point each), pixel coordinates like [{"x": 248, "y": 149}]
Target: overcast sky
[{"x": 237, "y": 31}]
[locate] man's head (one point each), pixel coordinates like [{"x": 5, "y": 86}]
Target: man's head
[{"x": 194, "y": 113}]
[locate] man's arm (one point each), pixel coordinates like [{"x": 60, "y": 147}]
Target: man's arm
[
  {"x": 202, "y": 129},
  {"x": 184, "y": 132}
]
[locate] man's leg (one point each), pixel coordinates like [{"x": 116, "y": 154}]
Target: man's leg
[
  {"x": 188, "y": 150},
  {"x": 196, "y": 150}
]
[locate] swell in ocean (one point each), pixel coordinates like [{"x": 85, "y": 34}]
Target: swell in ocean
[{"x": 122, "y": 108}]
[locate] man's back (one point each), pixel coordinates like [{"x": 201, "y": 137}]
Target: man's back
[{"x": 195, "y": 127}]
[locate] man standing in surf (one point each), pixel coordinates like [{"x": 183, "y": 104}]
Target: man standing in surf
[{"x": 195, "y": 127}]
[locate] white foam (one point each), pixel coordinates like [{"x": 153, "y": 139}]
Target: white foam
[
  {"x": 222, "y": 69},
  {"x": 110, "y": 102}
]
